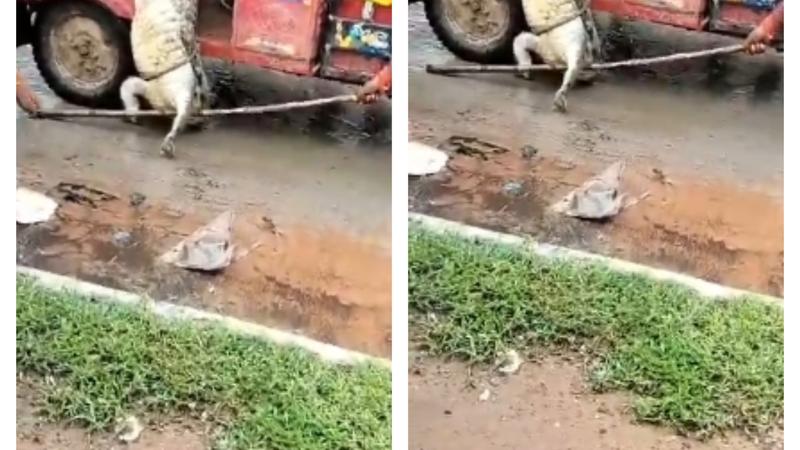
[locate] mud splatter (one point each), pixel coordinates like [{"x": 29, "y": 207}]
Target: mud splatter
[
  {"x": 713, "y": 230},
  {"x": 323, "y": 283}
]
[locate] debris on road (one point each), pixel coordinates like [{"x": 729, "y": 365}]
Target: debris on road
[
  {"x": 513, "y": 189},
  {"x": 529, "y": 151},
  {"x": 270, "y": 226},
  {"x": 243, "y": 253},
  {"x": 122, "y": 239},
  {"x": 597, "y": 199},
  {"x": 82, "y": 194},
  {"x": 33, "y": 207},
  {"x": 473, "y": 147},
  {"x": 129, "y": 430},
  {"x": 424, "y": 160},
  {"x": 485, "y": 395},
  {"x": 208, "y": 249},
  {"x": 660, "y": 177},
  {"x": 509, "y": 362},
  {"x": 136, "y": 199}
]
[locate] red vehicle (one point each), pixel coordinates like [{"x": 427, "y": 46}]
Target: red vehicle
[
  {"x": 482, "y": 31},
  {"x": 82, "y": 47}
]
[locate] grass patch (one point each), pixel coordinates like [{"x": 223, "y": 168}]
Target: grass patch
[
  {"x": 694, "y": 364},
  {"x": 109, "y": 361}
]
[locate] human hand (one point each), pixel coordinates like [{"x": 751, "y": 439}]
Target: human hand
[
  {"x": 368, "y": 93},
  {"x": 756, "y": 41},
  {"x": 380, "y": 84}
]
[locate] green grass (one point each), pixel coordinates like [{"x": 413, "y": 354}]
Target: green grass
[
  {"x": 694, "y": 364},
  {"x": 108, "y": 361}
]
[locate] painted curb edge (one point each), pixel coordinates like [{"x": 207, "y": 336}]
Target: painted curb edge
[
  {"x": 703, "y": 287},
  {"x": 326, "y": 352}
]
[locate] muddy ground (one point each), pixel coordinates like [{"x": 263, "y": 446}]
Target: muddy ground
[
  {"x": 36, "y": 433},
  {"x": 702, "y": 140},
  {"x": 310, "y": 190},
  {"x": 546, "y": 405}
]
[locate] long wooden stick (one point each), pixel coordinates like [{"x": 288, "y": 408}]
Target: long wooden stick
[
  {"x": 473, "y": 68},
  {"x": 245, "y": 110}
]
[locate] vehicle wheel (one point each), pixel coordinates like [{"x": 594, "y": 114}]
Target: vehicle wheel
[
  {"x": 83, "y": 52},
  {"x": 480, "y": 31}
]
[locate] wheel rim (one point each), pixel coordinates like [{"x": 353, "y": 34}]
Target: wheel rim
[
  {"x": 82, "y": 53},
  {"x": 480, "y": 22}
]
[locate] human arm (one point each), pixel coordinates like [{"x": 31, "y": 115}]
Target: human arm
[
  {"x": 379, "y": 84},
  {"x": 26, "y": 99},
  {"x": 765, "y": 32}
]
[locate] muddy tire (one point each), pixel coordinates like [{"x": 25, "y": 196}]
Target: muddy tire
[
  {"x": 479, "y": 31},
  {"x": 83, "y": 52}
]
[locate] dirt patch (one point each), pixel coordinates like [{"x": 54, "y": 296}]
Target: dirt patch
[
  {"x": 321, "y": 282},
  {"x": 34, "y": 432},
  {"x": 719, "y": 231},
  {"x": 711, "y": 229},
  {"x": 547, "y": 403},
  {"x": 311, "y": 190},
  {"x": 712, "y": 127}
]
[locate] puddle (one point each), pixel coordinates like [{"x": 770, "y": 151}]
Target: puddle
[
  {"x": 321, "y": 283},
  {"x": 715, "y": 231},
  {"x": 697, "y": 121},
  {"x": 311, "y": 190}
]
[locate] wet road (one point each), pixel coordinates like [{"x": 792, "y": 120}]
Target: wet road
[
  {"x": 311, "y": 191},
  {"x": 703, "y": 138},
  {"x": 707, "y": 115}
]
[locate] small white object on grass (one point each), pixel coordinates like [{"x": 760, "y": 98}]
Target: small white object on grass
[
  {"x": 509, "y": 362},
  {"x": 424, "y": 160},
  {"x": 33, "y": 207},
  {"x": 129, "y": 430}
]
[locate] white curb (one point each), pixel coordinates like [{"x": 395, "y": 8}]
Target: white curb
[
  {"x": 704, "y": 288},
  {"x": 326, "y": 352}
]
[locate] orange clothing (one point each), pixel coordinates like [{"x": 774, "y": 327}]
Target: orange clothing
[
  {"x": 773, "y": 23},
  {"x": 26, "y": 99},
  {"x": 384, "y": 78}
]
